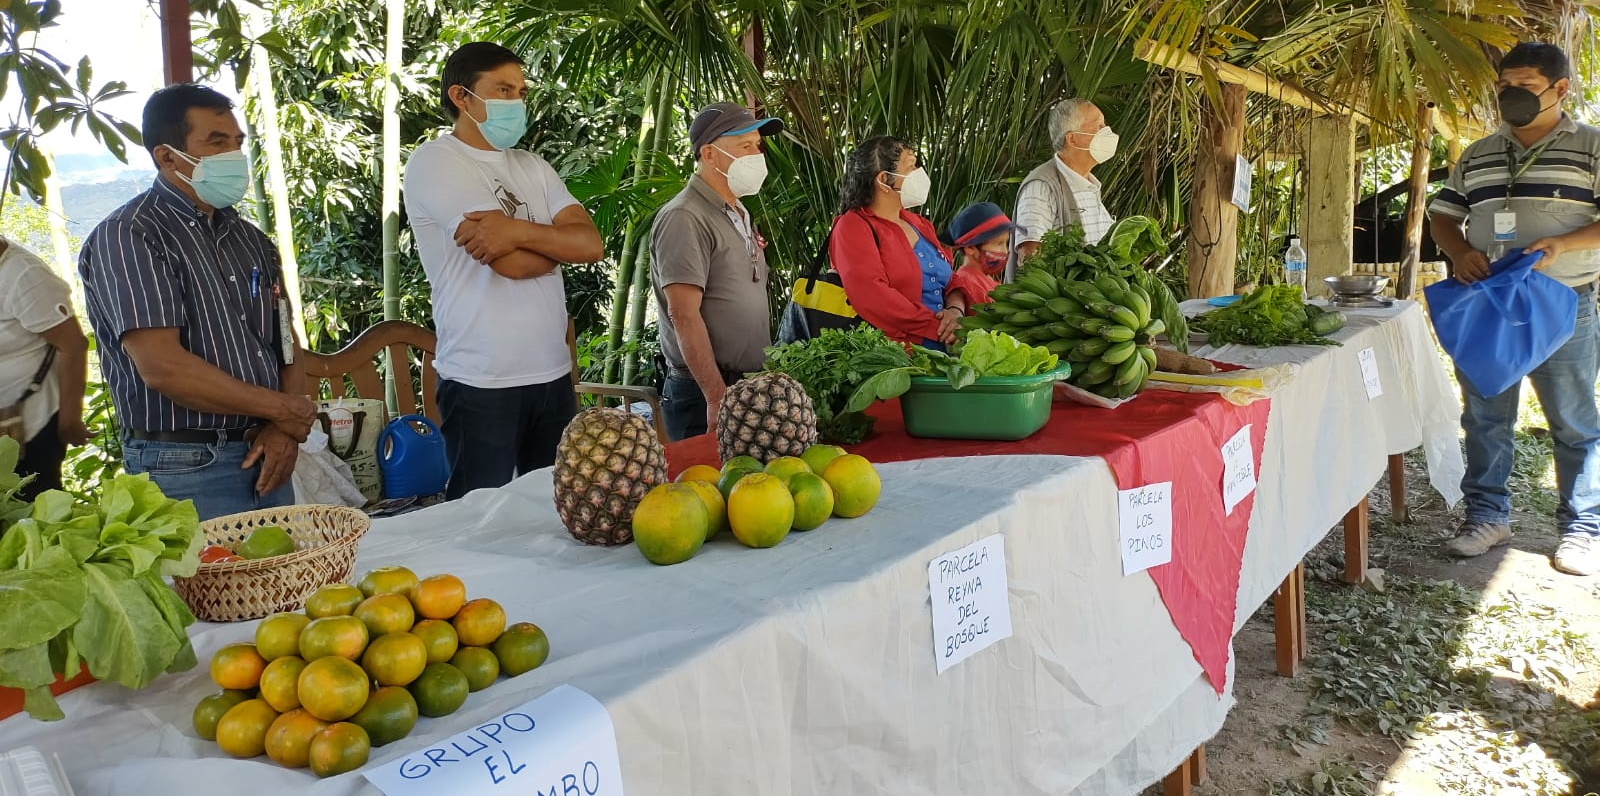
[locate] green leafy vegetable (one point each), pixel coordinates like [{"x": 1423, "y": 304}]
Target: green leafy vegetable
[
  {"x": 85, "y": 583},
  {"x": 833, "y": 367},
  {"x": 1272, "y": 315}
]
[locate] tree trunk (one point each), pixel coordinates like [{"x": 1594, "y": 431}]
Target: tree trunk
[
  {"x": 643, "y": 165},
  {"x": 1330, "y": 199},
  {"x": 1213, "y": 247},
  {"x": 1421, "y": 164},
  {"x": 666, "y": 100},
  {"x": 277, "y": 184},
  {"x": 392, "y": 63}
]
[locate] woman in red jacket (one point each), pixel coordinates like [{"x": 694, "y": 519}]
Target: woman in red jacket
[{"x": 895, "y": 272}]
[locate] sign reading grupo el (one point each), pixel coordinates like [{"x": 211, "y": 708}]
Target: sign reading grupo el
[{"x": 561, "y": 744}]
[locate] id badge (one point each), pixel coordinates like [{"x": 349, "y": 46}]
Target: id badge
[
  {"x": 285, "y": 332},
  {"x": 1505, "y": 226}
]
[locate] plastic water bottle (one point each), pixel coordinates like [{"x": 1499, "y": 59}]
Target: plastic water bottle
[{"x": 1294, "y": 264}]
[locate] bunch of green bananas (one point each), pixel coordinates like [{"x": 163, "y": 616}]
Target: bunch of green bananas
[{"x": 1103, "y": 327}]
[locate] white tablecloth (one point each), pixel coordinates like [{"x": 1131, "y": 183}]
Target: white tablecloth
[{"x": 808, "y": 668}]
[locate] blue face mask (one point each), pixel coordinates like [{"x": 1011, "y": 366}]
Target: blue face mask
[
  {"x": 504, "y": 123},
  {"x": 219, "y": 180}
]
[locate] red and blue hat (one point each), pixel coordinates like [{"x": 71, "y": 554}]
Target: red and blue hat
[{"x": 977, "y": 224}]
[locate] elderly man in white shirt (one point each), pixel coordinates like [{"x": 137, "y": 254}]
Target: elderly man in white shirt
[{"x": 1064, "y": 192}]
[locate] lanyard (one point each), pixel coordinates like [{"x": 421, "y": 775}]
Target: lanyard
[
  {"x": 743, "y": 224},
  {"x": 1516, "y": 168}
]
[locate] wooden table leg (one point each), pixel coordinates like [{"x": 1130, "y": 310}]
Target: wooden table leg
[
  {"x": 1355, "y": 543},
  {"x": 1397, "y": 487},
  {"x": 1197, "y": 765},
  {"x": 1181, "y": 781},
  {"x": 1289, "y": 621}
]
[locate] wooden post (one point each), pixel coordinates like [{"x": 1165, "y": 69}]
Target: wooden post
[
  {"x": 1197, "y": 765},
  {"x": 755, "y": 48},
  {"x": 1397, "y": 488},
  {"x": 1289, "y": 621},
  {"x": 177, "y": 42},
  {"x": 1355, "y": 543},
  {"x": 1421, "y": 165},
  {"x": 1181, "y": 781},
  {"x": 1213, "y": 218},
  {"x": 1330, "y": 199}
]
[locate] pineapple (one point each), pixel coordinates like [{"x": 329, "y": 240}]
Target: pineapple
[
  {"x": 607, "y": 460},
  {"x": 766, "y": 416}
]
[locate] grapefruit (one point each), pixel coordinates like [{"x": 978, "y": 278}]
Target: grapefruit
[
  {"x": 388, "y": 580},
  {"x": 238, "y": 667},
  {"x": 522, "y": 648},
  {"x": 855, "y": 485},
  {"x": 395, "y": 658},
  {"x": 813, "y": 500},
  {"x": 339, "y": 748},
  {"x": 700, "y": 472},
  {"x": 817, "y": 457},
  {"x": 439, "y": 597},
  {"x": 242, "y": 731},
  {"x": 334, "y": 599},
  {"x": 280, "y": 683},
  {"x": 389, "y": 715},
  {"x": 669, "y": 525},
  {"x": 479, "y": 623},
  {"x": 479, "y": 665},
  {"x": 278, "y": 636},
  {"x": 288, "y": 741},
  {"x": 760, "y": 511},
  {"x": 731, "y": 478},
  {"x": 333, "y": 689},
  {"x": 439, "y": 637},
  {"x": 440, "y": 691},
  {"x": 338, "y": 636}
]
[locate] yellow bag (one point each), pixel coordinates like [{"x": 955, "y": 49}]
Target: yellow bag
[{"x": 817, "y": 302}]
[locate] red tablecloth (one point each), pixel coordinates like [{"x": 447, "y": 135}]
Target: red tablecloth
[{"x": 1161, "y": 436}]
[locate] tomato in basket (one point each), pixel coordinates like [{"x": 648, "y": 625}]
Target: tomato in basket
[{"x": 216, "y": 554}]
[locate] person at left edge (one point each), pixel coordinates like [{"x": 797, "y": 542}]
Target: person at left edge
[
  {"x": 186, "y": 300},
  {"x": 708, "y": 266},
  {"x": 493, "y": 225}
]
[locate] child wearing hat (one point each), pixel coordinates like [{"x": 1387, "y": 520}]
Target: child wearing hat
[{"x": 981, "y": 232}]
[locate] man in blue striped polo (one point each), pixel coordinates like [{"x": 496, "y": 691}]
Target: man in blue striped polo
[
  {"x": 186, "y": 300},
  {"x": 1532, "y": 184}
]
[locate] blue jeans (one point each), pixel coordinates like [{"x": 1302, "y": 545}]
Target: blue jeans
[
  {"x": 1565, "y": 385},
  {"x": 206, "y": 472},
  {"x": 494, "y": 435}
]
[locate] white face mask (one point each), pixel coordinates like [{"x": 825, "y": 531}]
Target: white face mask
[
  {"x": 1102, "y": 144},
  {"x": 914, "y": 188},
  {"x": 746, "y": 173}
]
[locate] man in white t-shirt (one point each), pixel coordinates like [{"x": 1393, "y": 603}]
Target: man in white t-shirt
[
  {"x": 493, "y": 224},
  {"x": 43, "y": 356}
]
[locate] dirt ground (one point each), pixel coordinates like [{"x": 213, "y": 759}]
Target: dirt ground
[{"x": 1514, "y": 709}]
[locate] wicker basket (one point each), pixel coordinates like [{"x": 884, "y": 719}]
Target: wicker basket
[{"x": 325, "y": 540}]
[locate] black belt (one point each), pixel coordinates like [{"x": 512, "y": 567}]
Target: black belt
[
  {"x": 193, "y": 435},
  {"x": 729, "y": 376}
]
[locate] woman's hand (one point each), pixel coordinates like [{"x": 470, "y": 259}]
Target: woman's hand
[{"x": 949, "y": 318}]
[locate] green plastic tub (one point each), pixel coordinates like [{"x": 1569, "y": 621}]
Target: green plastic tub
[{"x": 995, "y": 407}]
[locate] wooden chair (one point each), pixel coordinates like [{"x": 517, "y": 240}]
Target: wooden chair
[{"x": 353, "y": 371}]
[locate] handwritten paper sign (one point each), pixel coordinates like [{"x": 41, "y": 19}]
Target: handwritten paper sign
[
  {"x": 1242, "y": 173},
  {"x": 561, "y": 743},
  {"x": 1238, "y": 469},
  {"x": 971, "y": 602},
  {"x": 1369, "y": 372},
  {"x": 1145, "y": 515}
]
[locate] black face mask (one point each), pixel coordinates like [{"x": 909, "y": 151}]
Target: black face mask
[{"x": 1519, "y": 106}]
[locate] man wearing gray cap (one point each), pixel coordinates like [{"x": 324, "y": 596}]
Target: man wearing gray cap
[{"x": 709, "y": 270}]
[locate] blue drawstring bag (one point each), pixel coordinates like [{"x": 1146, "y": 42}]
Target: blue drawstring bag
[{"x": 1500, "y": 329}]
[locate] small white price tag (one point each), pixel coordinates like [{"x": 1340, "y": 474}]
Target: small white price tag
[
  {"x": 1238, "y": 469},
  {"x": 1369, "y": 372},
  {"x": 1505, "y": 225},
  {"x": 1145, "y": 517},
  {"x": 971, "y": 601}
]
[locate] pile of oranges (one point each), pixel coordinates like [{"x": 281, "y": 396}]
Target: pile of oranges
[{"x": 320, "y": 689}]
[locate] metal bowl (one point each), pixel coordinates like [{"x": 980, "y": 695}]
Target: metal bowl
[{"x": 1356, "y": 284}]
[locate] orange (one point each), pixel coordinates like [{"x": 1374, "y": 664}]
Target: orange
[
  {"x": 278, "y": 636},
  {"x": 280, "y": 683},
  {"x": 288, "y": 740},
  {"x": 211, "y": 710},
  {"x": 388, "y": 716},
  {"x": 388, "y": 580},
  {"x": 338, "y": 749},
  {"x": 440, "y": 638},
  {"x": 522, "y": 648},
  {"x": 700, "y": 472},
  {"x": 341, "y": 636},
  {"x": 817, "y": 457},
  {"x": 670, "y": 524},
  {"x": 479, "y": 622},
  {"x": 731, "y": 478},
  {"x": 334, "y": 599},
  {"x": 479, "y": 665},
  {"x": 785, "y": 467},
  {"x": 440, "y": 691},
  {"x": 242, "y": 732},
  {"x": 716, "y": 506},
  {"x": 238, "y": 667},
  {"x": 439, "y": 597},
  {"x": 855, "y": 485},
  {"x": 813, "y": 501},
  {"x": 742, "y": 463},
  {"x": 395, "y": 658},
  {"x": 760, "y": 511},
  {"x": 333, "y": 689},
  {"x": 386, "y": 613}
]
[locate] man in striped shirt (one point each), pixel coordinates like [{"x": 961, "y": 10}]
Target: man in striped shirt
[
  {"x": 1064, "y": 192},
  {"x": 1532, "y": 184},
  {"x": 186, "y": 300}
]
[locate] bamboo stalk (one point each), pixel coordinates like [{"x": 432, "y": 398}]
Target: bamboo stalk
[
  {"x": 277, "y": 185},
  {"x": 392, "y": 61},
  {"x": 643, "y": 160},
  {"x": 665, "y": 100}
]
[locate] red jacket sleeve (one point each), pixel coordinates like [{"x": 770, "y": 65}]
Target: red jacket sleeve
[
  {"x": 973, "y": 284},
  {"x": 860, "y": 264}
]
